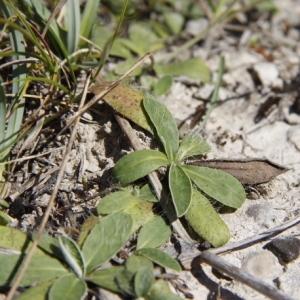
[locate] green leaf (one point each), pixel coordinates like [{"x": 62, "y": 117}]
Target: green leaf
[
  {"x": 41, "y": 268},
  {"x": 126, "y": 101},
  {"x": 88, "y": 19},
  {"x": 193, "y": 68},
  {"x": 165, "y": 125},
  {"x": 146, "y": 194},
  {"x": 86, "y": 228},
  {"x": 106, "y": 239},
  {"x": 38, "y": 292},
  {"x": 48, "y": 244},
  {"x": 218, "y": 185},
  {"x": 125, "y": 280},
  {"x": 72, "y": 255},
  {"x": 206, "y": 221},
  {"x": 115, "y": 202},
  {"x": 138, "y": 164},
  {"x": 4, "y": 218},
  {"x": 161, "y": 258},
  {"x": 150, "y": 43},
  {"x": 175, "y": 21},
  {"x": 143, "y": 281},
  {"x": 106, "y": 278},
  {"x": 141, "y": 212},
  {"x": 135, "y": 262},
  {"x": 192, "y": 145},
  {"x": 160, "y": 291},
  {"x": 163, "y": 85},
  {"x": 73, "y": 24},
  {"x": 68, "y": 287},
  {"x": 181, "y": 189},
  {"x": 153, "y": 234}
]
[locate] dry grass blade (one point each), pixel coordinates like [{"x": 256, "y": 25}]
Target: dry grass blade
[{"x": 50, "y": 205}]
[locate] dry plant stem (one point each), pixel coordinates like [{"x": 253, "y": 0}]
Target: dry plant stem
[
  {"x": 31, "y": 183},
  {"x": 31, "y": 156},
  {"x": 155, "y": 182},
  {"x": 106, "y": 90},
  {"x": 242, "y": 276},
  {"x": 30, "y": 253}
]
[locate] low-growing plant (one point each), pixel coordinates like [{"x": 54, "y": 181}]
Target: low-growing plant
[
  {"x": 189, "y": 201},
  {"x": 63, "y": 269}
]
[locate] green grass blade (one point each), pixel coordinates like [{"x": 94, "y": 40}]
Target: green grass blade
[
  {"x": 73, "y": 25},
  {"x": 88, "y": 19}
]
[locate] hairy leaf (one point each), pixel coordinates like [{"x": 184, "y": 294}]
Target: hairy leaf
[
  {"x": 72, "y": 255},
  {"x": 161, "y": 258},
  {"x": 115, "y": 202},
  {"x": 153, "y": 234},
  {"x": 192, "y": 145},
  {"x": 206, "y": 221},
  {"x": 126, "y": 101},
  {"x": 165, "y": 126},
  {"x": 106, "y": 278},
  {"x": 181, "y": 189},
  {"x": 106, "y": 239},
  {"x": 143, "y": 281},
  {"x": 68, "y": 287},
  {"x": 218, "y": 185},
  {"x": 138, "y": 164}
]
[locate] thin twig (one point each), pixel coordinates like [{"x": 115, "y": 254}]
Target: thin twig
[
  {"x": 186, "y": 259},
  {"x": 241, "y": 275},
  {"x": 31, "y": 156},
  {"x": 34, "y": 244}
]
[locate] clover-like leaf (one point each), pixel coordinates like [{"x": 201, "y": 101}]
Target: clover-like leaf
[
  {"x": 138, "y": 164},
  {"x": 192, "y": 145},
  {"x": 218, "y": 185},
  {"x": 181, "y": 189},
  {"x": 206, "y": 221},
  {"x": 165, "y": 126},
  {"x": 161, "y": 258},
  {"x": 106, "y": 239}
]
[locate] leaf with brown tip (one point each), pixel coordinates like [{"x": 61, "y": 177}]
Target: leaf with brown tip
[{"x": 126, "y": 101}]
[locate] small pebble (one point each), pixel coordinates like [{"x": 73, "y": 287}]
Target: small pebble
[{"x": 285, "y": 249}]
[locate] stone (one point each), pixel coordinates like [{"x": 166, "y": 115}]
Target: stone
[
  {"x": 285, "y": 249},
  {"x": 267, "y": 73}
]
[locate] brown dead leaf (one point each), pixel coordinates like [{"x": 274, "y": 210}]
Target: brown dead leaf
[{"x": 247, "y": 171}]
